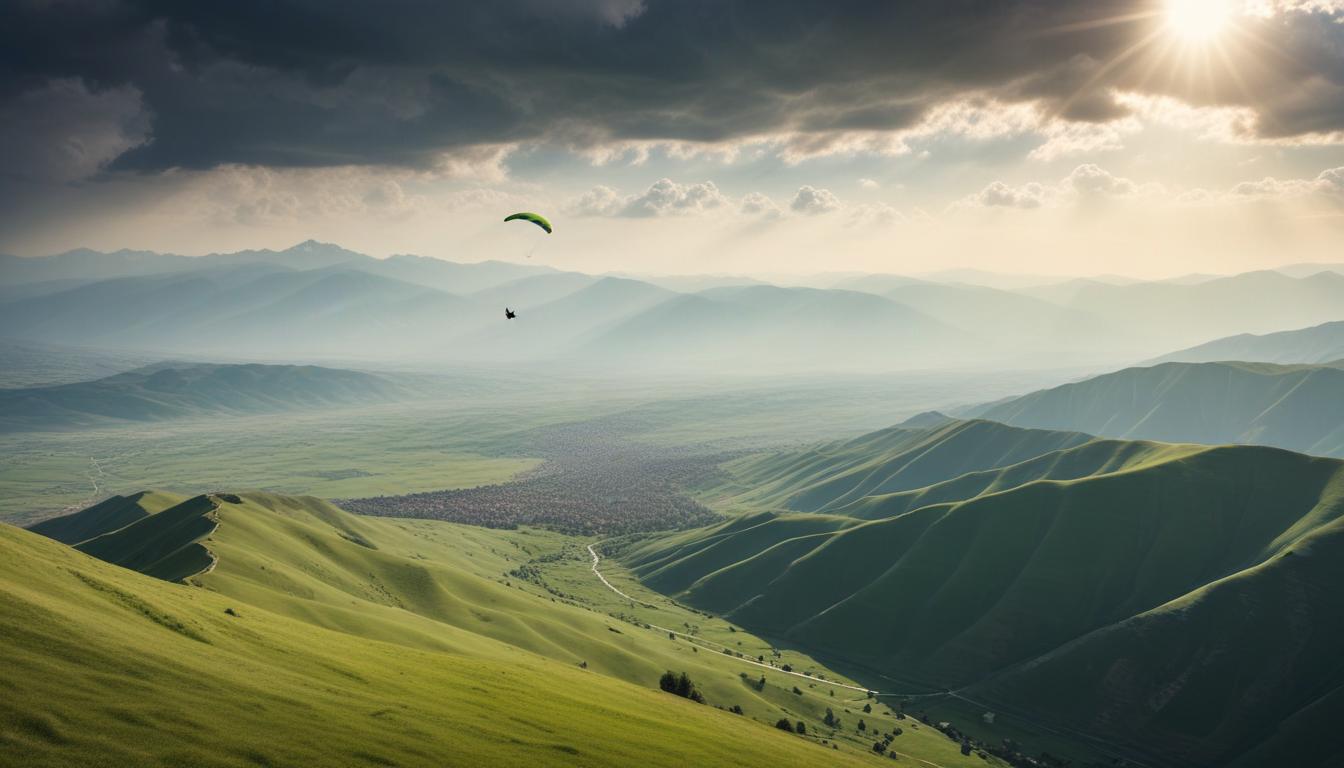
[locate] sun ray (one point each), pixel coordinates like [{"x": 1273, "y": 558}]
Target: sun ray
[{"x": 1106, "y": 68}]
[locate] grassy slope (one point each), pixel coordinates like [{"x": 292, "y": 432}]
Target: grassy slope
[
  {"x": 951, "y": 593},
  {"x": 106, "y": 516},
  {"x": 1265, "y": 638},
  {"x": 1296, "y": 407},
  {"x": 440, "y": 588},
  {"x": 106, "y": 667},
  {"x": 887, "y": 461}
]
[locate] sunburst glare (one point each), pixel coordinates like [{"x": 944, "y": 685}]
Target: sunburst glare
[{"x": 1198, "y": 21}]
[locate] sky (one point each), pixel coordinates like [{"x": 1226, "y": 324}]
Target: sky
[{"x": 1146, "y": 138}]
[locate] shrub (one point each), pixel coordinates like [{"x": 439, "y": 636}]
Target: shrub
[
  {"x": 784, "y": 725},
  {"x": 680, "y": 685}
]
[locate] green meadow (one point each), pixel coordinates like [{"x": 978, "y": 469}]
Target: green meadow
[{"x": 512, "y": 627}]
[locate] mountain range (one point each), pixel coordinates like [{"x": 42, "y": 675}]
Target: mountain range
[
  {"x": 321, "y": 302},
  {"x": 1299, "y": 407},
  {"x": 1318, "y": 344}
]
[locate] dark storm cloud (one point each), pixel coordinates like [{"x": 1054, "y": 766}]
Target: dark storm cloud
[{"x": 328, "y": 82}]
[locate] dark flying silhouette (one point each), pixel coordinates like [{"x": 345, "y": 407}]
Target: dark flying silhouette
[{"x": 509, "y": 314}]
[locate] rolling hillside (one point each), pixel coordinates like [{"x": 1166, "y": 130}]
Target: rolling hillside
[
  {"x": 1300, "y": 408},
  {"x": 901, "y": 458},
  {"x": 1161, "y": 576},
  {"x": 1322, "y": 343},
  {"x": 487, "y": 649},
  {"x": 182, "y": 390},
  {"x": 105, "y": 666}
]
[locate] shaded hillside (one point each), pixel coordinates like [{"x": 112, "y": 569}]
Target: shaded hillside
[
  {"x": 1296, "y": 407},
  {"x": 182, "y": 390},
  {"x": 830, "y": 476},
  {"x": 106, "y": 516},
  {"x": 1111, "y": 587},
  {"x": 1322, "y": 343},
  {"x": 105, "y": 666}
]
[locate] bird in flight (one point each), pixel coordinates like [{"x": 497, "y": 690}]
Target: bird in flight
[{"x": 509, "y": 314}]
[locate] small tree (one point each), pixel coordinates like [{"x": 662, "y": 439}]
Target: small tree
[
  {"x": 784, "y": 725},
  {"x": 801, "y": 728},
  {"x": 862, "y": 725},
  {"x": 830, "y": 717},
  {"x": 867, "y": 709},
  {"x": 796, "y": 691},
  {"x": 680, "y": 685}
]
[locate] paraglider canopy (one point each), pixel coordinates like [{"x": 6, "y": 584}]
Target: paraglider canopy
[{"x": 535, "y": 218}]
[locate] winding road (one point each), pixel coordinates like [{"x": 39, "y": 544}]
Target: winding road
[{"x": 713, "y": 645}]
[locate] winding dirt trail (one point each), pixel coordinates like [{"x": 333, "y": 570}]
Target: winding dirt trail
[{"x": 711, "y": 644}]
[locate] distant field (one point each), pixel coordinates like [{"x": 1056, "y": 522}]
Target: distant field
[
  {"x": 479, "y": 437},
  {"x": 328, "y": 454}
]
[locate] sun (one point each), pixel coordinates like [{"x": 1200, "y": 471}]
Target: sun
[{"x": 1197, "y": 21}]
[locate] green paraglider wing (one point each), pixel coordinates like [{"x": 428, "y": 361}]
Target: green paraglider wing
[{"x": 535, "y": 218}]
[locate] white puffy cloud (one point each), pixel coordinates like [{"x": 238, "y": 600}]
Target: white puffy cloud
[
  {"x": 869, "y": 183},
  {"x": 1087, "y": 181},
  {"x": 757, "y": 204},
  {"x": 1090, "y": 179},
  {"x": 874, "y": 214},
  {"x": 1329, "y": 183},
  {"x": 811, "y": 200},
  {"x": 598, "y": 201},
  {"x": 1001, "y": 195},
  {"x": 663, "y": 198},
  {"x": 666, "y": 197}
]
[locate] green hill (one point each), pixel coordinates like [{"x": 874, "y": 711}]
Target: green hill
[
  {"x": 1322, "y": 343},
  {"x": 106, "y": 516},
  {"x": 897, "y": 459},
  {"x": 1110, "y": 589},
  {"x": 180, "y": 390},
  {"x": 1298, "y": 407},
  {"x": 466, "y": 606},
  {"x": 105, "y": 666}
]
